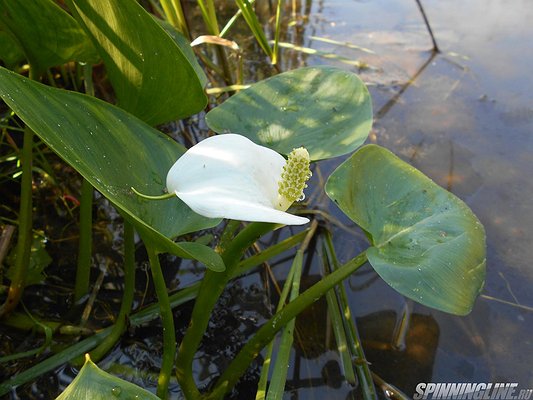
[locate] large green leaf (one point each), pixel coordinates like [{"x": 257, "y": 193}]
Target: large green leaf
[
  {"x": 114, "y": 151},
  {"x": 185, "y": 47},
  {"x": 48, "y": 35},
  {"x": 426, "y": 243},
  {"x": 324, "y": 109},
  {"x": 10, "y": 51},
  {"x": 94, "y": 384},
  {"x": 154, "y": 77}
]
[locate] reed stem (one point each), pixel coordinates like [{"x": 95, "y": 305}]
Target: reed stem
[{"x": 167, "y": 319}]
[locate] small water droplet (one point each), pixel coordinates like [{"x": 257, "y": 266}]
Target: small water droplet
[{"x": 116, "y": 391}]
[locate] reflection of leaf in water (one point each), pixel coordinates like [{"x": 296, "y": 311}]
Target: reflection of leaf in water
[{"x": 311, "y": 332}]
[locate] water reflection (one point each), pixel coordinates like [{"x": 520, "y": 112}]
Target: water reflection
[
  {"x": 466, "y": 121},
  {"x": 405, "y": 368}
]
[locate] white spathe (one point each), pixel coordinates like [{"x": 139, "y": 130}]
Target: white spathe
[{"x": 229, "y": 176}]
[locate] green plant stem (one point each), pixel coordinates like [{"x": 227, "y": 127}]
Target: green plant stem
[
  {"x": 279, "y": 374},
  {"x": 83, "y": 271},
  {"x": 24, "y": 241},
  {"x": 354, "y": 341},
  {"x": 223, "y": 61},
  {"x": 292, "y": 284},
  {"x": 272, "y": 251},
  {"x": 176, "y": 16},
  {"x": 211, "y": 288},
  {"x": 230, "y": 22},
  {"x": 23, "y": 322},
  {"x": 297, "y": 264},
  {"x": 267, "y": 332},
  {"x": 228, "y": 234},
  {"x": 127, "y": 297},
  {"x": 209, "y": 16},
  {"x": 207, "y": 7},
  {"x": 340, "y": 336},
  {"x": 169, "y": 333},
  {"x": 251, "y": 19},
  {"x": 182, "y": 21},
  {"x": 277, "y": 30}
]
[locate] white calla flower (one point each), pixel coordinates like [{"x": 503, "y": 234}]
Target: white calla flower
[{"x": 229, "y": 176}]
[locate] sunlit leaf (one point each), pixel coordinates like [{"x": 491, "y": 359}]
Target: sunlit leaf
[
  {"x": 154, "y": 77},
  {"x": 426, "y": 243},
  {"x": 324, "y": 109},
  {"x": 48, "y": 34},
  {"x": 114, "y": 151},
  {"x": 95, "y": 384},
  {"x": 185, "y": 47}
]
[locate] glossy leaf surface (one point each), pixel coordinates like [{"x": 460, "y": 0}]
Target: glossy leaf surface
[
  {"x": 426, "y": 243},
  {"x": 95, "y": 384},
  {"x": 155, "y": 77},
  {"x": 48, "y": 34},
  {"x": 114, "y": 151},
  {"x": 324, "y": 109}
]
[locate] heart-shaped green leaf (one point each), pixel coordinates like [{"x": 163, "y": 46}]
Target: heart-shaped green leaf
[
  {"x": 324, "y": 109},
  {"x": 95, "y": 384},
  {"x": 426, "y": 243},
  {"x": 114, "y": 151},
  {"x": 154, "y": 77},
  {"x": 48, "y": 35}
]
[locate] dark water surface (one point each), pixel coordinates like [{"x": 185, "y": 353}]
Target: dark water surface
[{"x": 465, "y": 120}]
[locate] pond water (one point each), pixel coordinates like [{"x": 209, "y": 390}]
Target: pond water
[{"x": 465, "y": 118}]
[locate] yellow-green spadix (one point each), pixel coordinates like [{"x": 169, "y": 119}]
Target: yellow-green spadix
[{"x": 229, "y": 176}]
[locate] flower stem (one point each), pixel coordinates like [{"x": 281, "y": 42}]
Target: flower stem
[
  {"x": 169, "y": 333},
  {"x": 211, "y": 288},
  {"x": 267, "y": 332}
]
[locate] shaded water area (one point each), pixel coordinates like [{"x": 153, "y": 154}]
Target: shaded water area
[{"x": 464, "y": 117}]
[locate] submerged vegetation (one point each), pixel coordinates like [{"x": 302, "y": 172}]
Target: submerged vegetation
[{"x": 111, "y": 226}]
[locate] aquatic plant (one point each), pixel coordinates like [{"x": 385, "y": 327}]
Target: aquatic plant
[{"x": 424, "y": 242}]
